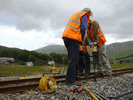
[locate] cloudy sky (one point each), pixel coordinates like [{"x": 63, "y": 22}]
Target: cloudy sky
[{"x": 32, "y": 24}]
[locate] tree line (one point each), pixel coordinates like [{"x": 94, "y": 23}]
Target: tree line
[{"x": 38, "y": 59}]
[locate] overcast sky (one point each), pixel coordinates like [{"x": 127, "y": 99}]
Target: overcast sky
[{"x": 32, "y": 24}]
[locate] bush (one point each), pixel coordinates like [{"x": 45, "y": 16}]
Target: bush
[
  {"x": 39, "y": 63},
  {"x": 121, "y": 61},
  {"x": 21, "y": 62},
  {"x": 111, "y": 62},
  {"x": 31, "y": 58}
]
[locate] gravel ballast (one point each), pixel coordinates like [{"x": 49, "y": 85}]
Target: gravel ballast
[{"x": 106, "y": 87}]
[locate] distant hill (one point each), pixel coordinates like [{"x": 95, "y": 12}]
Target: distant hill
[
  {"x": 53, "y": 48},
  {"x": 114, "y": 50},
  {"x": 4, "y": 47},
  {"x": 117, "y": 50}
]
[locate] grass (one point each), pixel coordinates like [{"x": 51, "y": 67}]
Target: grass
[
  {"x": 119, "y": 66},
  {"x": 122, "y": 66},
  {"x": 22, "y": 70}
]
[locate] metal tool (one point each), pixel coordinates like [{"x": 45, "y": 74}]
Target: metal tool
[
  {"x": 95, "y": 98},
  {"x": 84, "y": 64},
  {"x": 79, "y": 90},
  {"x": 95, "y": 54}
]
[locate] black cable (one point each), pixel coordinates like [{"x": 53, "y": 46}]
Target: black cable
[{"x": 120, "y": 95}]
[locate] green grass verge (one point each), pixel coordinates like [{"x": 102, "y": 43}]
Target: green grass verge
[
  {"x": 18, "y": 70},
  {"x": 22, "y": 70},
  {"x": 118, "y": 66}
]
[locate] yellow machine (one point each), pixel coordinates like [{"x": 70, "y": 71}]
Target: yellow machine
[
  {"x": 94, "y": 49},
  {"x": 53, "y": 70},
  {"x": 47, "y": 84}
]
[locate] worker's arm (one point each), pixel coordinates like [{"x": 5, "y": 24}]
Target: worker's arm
[
  {"x": 83, "y": 25},
  {"x": 86, "y": 40},
  {"x": 95, "y": 26}
]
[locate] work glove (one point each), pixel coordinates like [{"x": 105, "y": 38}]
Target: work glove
[
  {"x": 96, "y": 42},
  {"x": 91, "y": 44}
]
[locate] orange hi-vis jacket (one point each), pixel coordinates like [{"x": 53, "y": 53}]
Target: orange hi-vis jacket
[
  {"x": 72, "y": 30},
  {"x": 84, "y": 47},
  {"x": 101, "y": 37}
]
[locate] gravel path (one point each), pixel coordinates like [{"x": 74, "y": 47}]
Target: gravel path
[{"x": 108, "y": 88}]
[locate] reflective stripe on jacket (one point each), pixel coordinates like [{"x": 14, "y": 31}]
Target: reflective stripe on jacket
[
  {"x": 72, "y": 30},
  {"x": 101, "y": 37}
]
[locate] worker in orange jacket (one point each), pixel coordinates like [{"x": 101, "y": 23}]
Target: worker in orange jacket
[
  {"x": 95, "y": 34},
  {"x": 72, "y": 36},
  {"x": 84, "y": 58}
]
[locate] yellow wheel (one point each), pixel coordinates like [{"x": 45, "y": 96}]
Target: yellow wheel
[{"x": 47, "y": 84}]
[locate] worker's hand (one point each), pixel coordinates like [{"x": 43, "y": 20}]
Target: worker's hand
[
  {"x": 96, "y": 42},
  {"x": 91, "y": 44}
]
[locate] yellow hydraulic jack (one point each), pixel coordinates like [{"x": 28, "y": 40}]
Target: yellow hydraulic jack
[{"x": 53, "y": 71}]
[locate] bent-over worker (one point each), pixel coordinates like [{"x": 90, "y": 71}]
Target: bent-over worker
[
  {"x": 95, "y": 34},
  {"x": 72, "y": 36}
]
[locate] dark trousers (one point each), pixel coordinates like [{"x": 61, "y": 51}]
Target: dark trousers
[
  {"x": 84, "y": 62},
  {"x": 73, "y": 58}
]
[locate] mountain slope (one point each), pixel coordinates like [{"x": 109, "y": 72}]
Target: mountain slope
[
  {"x": 4, "y": 47},
  {"x": 117, "y": 50},
  {"x": 53, "y": 48}
]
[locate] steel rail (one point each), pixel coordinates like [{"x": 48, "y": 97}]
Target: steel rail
[
  {"x": 37, "y": 79},
  {"x": 59, "y": 79}
]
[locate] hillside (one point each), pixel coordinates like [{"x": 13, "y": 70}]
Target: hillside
[
  {"x": 53, "y": 48},
  {"x": 4, "y": 47},
  {"x": 117, "y": 50}
]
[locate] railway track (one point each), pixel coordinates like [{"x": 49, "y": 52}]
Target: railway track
[{"x": 21, "y": 85}]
